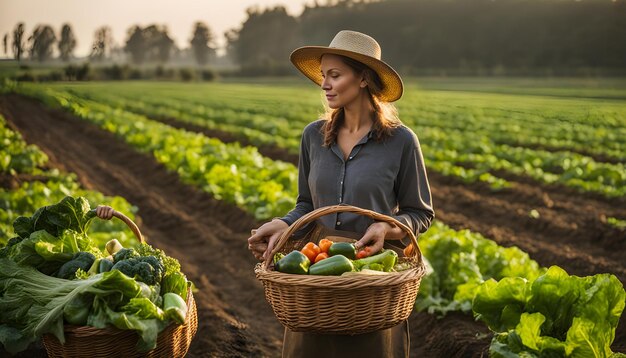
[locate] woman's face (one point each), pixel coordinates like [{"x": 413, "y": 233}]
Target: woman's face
[{"x": 340, "y": 83}]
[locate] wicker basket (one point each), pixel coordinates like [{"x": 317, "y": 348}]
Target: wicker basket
[
  {"x": 87, "y": 341},
  {"x": 340, "y": 304}
]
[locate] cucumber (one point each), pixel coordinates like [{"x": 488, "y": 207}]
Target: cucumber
[
  {"x": 332, "y": 266},
  {"x": 342, "y": 248}
]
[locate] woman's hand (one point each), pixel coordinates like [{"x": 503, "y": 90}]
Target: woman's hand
[
  {"x": 104, "y": 212},
  {"x": 374, "y": 236},
  {"x": 263, "y": 239}
]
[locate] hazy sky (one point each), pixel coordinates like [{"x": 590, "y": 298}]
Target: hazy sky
[{"x": 86, "y": 16}]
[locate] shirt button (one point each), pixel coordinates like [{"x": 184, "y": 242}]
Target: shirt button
[
  {"x": 349, "y": 158},
  {"x": 338, "y": 222}
]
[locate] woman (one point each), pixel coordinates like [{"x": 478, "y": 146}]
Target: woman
[{"x": 360, "y": 155}]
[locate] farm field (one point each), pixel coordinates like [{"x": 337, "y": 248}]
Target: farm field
[{"x": 540, "y": 167}]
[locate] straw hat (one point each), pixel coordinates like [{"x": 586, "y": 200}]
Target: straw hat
[{"x": 357, "y": 46}]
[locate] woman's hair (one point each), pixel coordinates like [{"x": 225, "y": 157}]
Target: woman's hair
[{"x": 385, "y": 113}]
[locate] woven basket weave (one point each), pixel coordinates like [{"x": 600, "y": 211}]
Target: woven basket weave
[
  {"x": 87, "y": 341},
  {"x": 340, "y": 304}
]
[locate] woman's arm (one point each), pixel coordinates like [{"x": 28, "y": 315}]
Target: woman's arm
[
  {"x": 415, "y": 208},
  {"x": 304, "y": 203},
  {"x": 262, "y": 240}
]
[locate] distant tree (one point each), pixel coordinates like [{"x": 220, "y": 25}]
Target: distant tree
[
  {"x": 5, "y": 41},
  {"x": 42, "y": 41},
  {"x": 67, "y": 43},
  {"x": 265, "y": 39},
  {"x": 18, "y": 41},
  {"x": 136, "y": 45},
  {"x": 200, "y": 43},
  {"x": 231, "y": 42},
  {"x": 102, "y": 43},
  {"x": 149, "y": 44},
  {"x": 159, "y": 43}
]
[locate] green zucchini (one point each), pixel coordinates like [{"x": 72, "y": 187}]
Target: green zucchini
[
  {"x": 342, "y": 248},
  {"x": 332, "y": 266}
]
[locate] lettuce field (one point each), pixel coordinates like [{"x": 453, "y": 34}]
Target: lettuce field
[{"x": 528, "y": 179}]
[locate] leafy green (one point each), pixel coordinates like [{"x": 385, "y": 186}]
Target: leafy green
[
  {"x": 17, "y": 156},
  {"x": 175, "y": 282},
  {"x": 31, "y": 195},
  {"x": 147, "y": 328},
  {"x": 554, "y": 315},
  {"x": 48, "y": 253},
  {"x": 52, "y": 236},
  {"x": 76, "y": 310},
  {"x": 32, "y": 304},
  {"x": 143, "y": 308},
  {"x": 498, "y": 303},
  {"x": 461, "y": 261},
  {"x": 69, "y": 213}
]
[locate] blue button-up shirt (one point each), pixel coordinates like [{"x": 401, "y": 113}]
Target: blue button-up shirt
[{"x": 386, "y": 176}]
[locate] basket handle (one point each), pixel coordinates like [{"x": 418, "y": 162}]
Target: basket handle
[
  {"x": 131, "y": 224},
  {"x": 341, "y": 208}
]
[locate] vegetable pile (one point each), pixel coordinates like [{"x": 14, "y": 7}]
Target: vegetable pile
[
  {"x": 336, "y": 259},
  {"x": 52, "y": 274}
]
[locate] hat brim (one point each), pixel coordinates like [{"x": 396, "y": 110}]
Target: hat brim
[{"x": 308, "y": 60}]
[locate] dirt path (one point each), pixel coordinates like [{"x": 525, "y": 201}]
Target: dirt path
[{"x": 208, "y": 236}]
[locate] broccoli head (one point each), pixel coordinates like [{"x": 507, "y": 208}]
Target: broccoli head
[
  {"x": 124, "y": 254},
  {"x": 147, "y": 269},
  {"x": 81, "y": 260}
]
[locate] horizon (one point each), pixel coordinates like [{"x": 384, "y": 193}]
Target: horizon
[{"x": 86, "y": 17}]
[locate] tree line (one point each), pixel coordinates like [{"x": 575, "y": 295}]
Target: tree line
[
  {"x": 151, "y": 43},
  {"x": 417, "y": 36},
  {"x": 430, "y": 36}
]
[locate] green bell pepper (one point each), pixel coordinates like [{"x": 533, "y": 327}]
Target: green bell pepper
[{"x": 295, "y": 262}]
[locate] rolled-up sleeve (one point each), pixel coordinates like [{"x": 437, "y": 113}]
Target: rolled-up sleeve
[{"x": 412, "y": 190}]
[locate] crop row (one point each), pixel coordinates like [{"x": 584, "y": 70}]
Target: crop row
[
  {"x": 588, "y": 126},
  {"x": 473, "y": 145},
  {"x": 16, "y": 156},
  {"x": 49, "y": 187},
  {"x": 236, "y": 174}
]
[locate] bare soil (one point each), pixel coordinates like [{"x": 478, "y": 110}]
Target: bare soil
[{"x": 209, "y": 236}]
